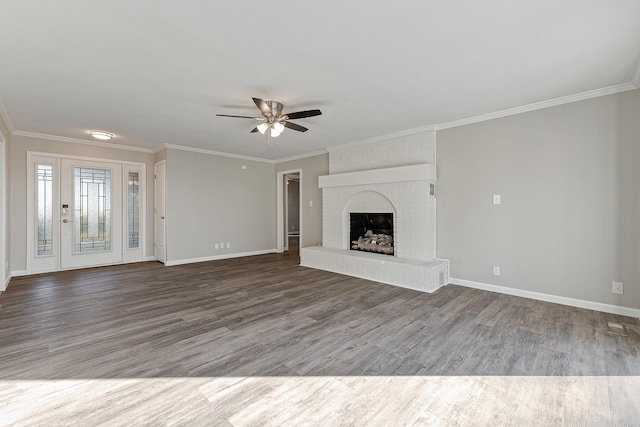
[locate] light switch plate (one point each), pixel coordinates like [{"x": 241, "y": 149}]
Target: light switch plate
[{"x": 496, "y": 199}]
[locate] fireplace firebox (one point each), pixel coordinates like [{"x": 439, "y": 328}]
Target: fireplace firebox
[{"x": 372, "y": 232}]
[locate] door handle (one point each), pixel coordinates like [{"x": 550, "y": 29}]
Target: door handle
[{"x": 66, "y": 220}]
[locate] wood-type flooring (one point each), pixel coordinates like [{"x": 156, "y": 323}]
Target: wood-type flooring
[{"x": 263, "y": 341}]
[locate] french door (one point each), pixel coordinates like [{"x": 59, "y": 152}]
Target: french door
[
  {"x": 82, "y": 213},
  {"x": 90, "y": 212}
]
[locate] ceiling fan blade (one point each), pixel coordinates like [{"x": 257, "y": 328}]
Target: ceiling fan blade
[
  {"x": 240, "y": 117},
  {"x": 294, "y": 126},
  {"x": 254, "y": 130},
  {"x": 303, "y": 114},
  {"x": 262, "y": 105}
]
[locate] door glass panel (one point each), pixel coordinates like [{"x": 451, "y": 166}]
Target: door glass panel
[
  {"x": 92, "y": 216},
  {"x": 134, "y": 210},
  {"x": 45, "y": 210}
]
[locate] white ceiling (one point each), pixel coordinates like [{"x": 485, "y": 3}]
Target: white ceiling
[{"x": 156, "y": 72}]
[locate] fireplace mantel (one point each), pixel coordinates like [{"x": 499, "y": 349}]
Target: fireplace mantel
[{"x": 421, "y": 172}]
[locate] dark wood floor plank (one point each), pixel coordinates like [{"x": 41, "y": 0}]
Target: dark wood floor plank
[{"x": 275, "y": 308}]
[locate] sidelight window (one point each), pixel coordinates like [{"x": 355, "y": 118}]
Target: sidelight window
[
  {"x": 133, "y": 190},
  {"x": 44, "y": 202}
]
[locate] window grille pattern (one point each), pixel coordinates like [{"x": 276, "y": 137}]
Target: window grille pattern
[
  {"x": 44, "y": 244},
  {"x": 92, "y": 214},
  {"x": 134, "y": 210}
]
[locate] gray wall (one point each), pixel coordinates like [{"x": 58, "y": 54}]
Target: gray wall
[
  {"x": 569, "y": 181},
  {"x": 5, "y": 255},
  {"x": 311, "y": 216},
  {"x": 211, "y": 199},
  {"x": 18, "y": 191}
]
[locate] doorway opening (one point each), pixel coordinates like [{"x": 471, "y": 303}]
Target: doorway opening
[
  {"x": 293, "y": 210},
  {"x": 289, "y": 212}
]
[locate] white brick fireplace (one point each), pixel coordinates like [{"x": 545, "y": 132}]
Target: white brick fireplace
[{"x": 393, "y": 176}]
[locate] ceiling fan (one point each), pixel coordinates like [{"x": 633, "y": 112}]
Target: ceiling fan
[{"x": 273, "y": 118}]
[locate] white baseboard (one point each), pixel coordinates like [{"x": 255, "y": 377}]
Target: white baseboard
[
  {"x": 21, "y": 273},
  {"x": 573, "y": 302},
  {"x": 150, "y": 258},
  {"x": 217, "y": 257},
  {"x": 6, "y": 282}
]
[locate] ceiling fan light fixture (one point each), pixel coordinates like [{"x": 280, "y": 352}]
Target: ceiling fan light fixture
[
  {"x": 98, "y": 134},
  {"x": 273, "y": 120},
  {"x": 277, "y": 129},
  {"x": 262, "y": 128}
]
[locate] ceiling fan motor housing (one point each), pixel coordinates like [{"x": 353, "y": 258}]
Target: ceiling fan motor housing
[{"x": 275, "y": 107}]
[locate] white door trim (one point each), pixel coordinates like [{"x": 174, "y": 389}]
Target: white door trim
[
  {"x": 163, "y": 257},
  {"x": 90, "y": 159},
  {"x": 4, "y": 268},
  {"x": 280, "y": 214},
  {"x": 45, "y": 263}
]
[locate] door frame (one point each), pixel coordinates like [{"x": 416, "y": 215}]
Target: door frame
[
  {"x": 281, "y": 214},
  {"x": 155, "y": 213},
  {"x": 4, "y": 261},
  {"x": 126, "y": 167}
]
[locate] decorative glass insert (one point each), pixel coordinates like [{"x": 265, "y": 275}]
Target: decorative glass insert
[
  {"x": 134, "y": 210},
  {"x": 44, "y": 242},
  {"x": 92, "y": 215}
]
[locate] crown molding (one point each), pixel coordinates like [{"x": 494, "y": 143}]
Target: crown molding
[
  {"x": 388, "y": 136},
  {"x": 80, "y": 141},
  {"x": 159, "y": 148},
  {"x": 214, "y": 153},
  {"x": 301, "y": 156},
  {"x": 610, "y": 90},
  {"x": 4, "y": 113},
  {"x": 237, "y": 156}
]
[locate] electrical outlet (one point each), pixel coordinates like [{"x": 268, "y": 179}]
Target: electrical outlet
[
  {"x": 228, "y": 245},
  {"x": 617, "y": 288},
  {"x": 216, "y": 246},
  {"x": 496, "y": 271}
]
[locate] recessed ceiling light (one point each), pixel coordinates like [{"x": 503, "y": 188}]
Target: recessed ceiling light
[{"x": 100, "y": 135}]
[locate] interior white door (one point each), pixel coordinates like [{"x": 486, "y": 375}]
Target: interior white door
[
  {"x": 159, "y": 216},
  {"x": 90, "y": 213}
]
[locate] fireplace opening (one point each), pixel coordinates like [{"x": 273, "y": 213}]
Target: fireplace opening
[{"x": 372, "y": 232}]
